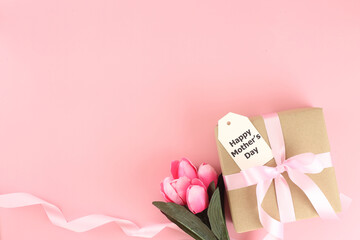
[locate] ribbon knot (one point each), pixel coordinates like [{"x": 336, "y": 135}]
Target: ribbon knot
[{"x": 280, "y": 169}]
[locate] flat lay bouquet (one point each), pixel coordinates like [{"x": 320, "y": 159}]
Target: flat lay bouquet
[
  {"x": 276, "y": 168},
  {"x": 194, "y": 200}
]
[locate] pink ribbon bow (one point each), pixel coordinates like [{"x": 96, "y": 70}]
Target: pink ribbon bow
[{"x": 296, "y": 167}]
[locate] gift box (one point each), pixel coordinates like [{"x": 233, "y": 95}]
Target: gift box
[{"x": 303, "y": 131}]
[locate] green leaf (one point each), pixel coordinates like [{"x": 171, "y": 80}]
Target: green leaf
[
  {"x": 221, "y": 187},
  {"x": 186, "y": 220},
  {"x": 204, "y": 217},
  {"x": 211, "y": 189},
  {"x": 216, "y": 217},
  {"x": 186, "y": 230}
]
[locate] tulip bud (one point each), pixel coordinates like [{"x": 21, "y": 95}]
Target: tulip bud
[
  {"x": 197, "y": 198},
  {"x": 207, "y": 174},
  {"x": 174, "y": 190},
  {"x": 183, "y": 168}
]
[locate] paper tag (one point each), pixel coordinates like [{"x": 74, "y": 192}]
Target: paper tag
[{"x": 242, "y": 141}]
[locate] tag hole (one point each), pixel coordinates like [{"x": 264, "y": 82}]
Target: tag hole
[{"x": 228, "y": 123}]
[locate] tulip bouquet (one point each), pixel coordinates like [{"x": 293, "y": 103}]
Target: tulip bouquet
[{"x": 194, "y": 200}]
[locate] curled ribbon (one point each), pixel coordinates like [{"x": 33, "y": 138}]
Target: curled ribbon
[
  {"x": 83, "y": 224},
  {"x": 296, "y": 167}
]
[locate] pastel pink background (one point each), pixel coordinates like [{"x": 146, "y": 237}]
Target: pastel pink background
[{"x": 97, "y": 97}]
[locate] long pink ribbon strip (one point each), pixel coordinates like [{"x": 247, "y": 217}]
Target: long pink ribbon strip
[
  {"x": 296, "y": 167},
  {"x": 83, "y": 224}
]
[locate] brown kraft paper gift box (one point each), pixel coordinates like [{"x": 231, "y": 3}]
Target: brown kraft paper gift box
[{"x": 304, "y": 131}]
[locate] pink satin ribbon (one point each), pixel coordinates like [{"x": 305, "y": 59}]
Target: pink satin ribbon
[
  {"x": 83, "y": 224},
  {"x": 296, "y": 167}
]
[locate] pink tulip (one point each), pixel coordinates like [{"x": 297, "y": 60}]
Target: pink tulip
[
  {"x": 174, "y": 190},
  {"x": 188, "y": 186},
  {"x": 183, "y": 168},
  {"x": 197, "y": 181},
  {"x": 197, "y": 198},
  {"x": 207, "y": 174}
]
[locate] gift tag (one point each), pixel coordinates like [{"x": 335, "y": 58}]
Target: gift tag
[{"x": 242, "y": 141}]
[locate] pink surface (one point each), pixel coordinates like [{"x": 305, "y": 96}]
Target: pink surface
[{"x": 95, "y": 93}]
